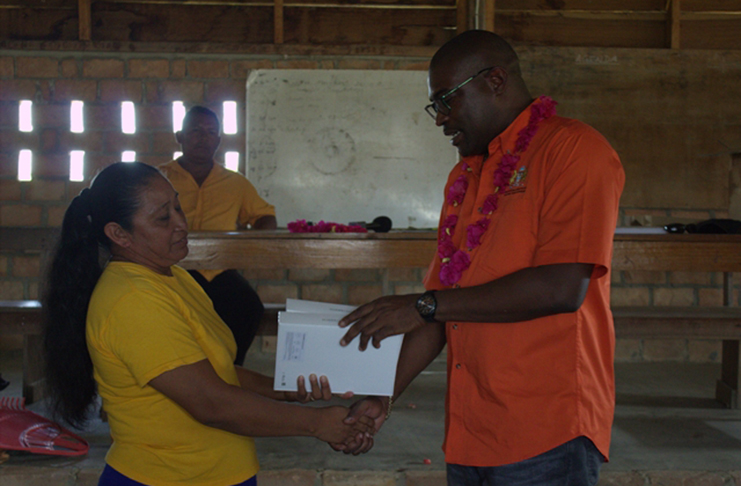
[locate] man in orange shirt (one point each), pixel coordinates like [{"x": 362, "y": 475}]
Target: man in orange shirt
[
  {"x": 519, "y": 288},
  {"x": 217, "y": 199}
]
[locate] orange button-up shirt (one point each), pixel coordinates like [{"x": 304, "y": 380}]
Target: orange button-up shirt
[
  {"x": 226, "y": 201},
  {"x": 516, "y": 390}
]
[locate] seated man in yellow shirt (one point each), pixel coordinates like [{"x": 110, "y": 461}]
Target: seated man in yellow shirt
[{"x": 217, "y": 199}]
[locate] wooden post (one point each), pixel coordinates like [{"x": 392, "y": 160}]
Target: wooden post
[
  {"x": 673, "y": 17},
  {"x": 461, "y": 18},
  {"x": 84, "y": 19},
  {"x": 278, "y": 22},
  {"x": 488, "y": 15}
]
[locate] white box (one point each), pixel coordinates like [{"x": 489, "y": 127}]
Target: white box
[{"x": 309, "y": 342}]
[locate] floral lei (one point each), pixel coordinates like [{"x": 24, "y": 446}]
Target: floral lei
[{"x": 454, "y": 261}]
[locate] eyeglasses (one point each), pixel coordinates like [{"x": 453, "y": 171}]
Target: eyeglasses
[{"x": 439, "y": 105}]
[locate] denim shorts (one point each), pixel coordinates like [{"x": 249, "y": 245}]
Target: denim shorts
[
  {"x": 575, "y": 463},
  {"x": 111, "y": 477}
]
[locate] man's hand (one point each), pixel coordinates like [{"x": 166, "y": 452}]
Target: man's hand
[
  {"x": 371, "y": 407},
  {"x": 384, "y": 317}
]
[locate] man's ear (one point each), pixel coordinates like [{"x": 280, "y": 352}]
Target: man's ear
[
  {"x": 497, "y": 79},
  {"x": 117, "y": 234}
]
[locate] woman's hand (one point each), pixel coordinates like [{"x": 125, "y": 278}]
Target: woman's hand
[
  {"x": 320, "y": 390},
  {"x": 332, "y": 426}
]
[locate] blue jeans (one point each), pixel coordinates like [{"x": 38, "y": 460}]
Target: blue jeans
[
  {"x": 575, "y": 463},
  {"x": 111, "y": 477}
]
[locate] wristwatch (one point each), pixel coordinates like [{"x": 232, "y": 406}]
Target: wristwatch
[{"x": 427, "y": 305}]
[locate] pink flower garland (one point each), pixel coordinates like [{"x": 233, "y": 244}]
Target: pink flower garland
[
  {"x": 301, "y": 226},
  {"x": 454, "y": 261}
]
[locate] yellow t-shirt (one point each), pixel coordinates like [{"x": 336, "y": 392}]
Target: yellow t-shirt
[
  {"x": 141, "y": 324},
  {"x": 226, "y": 201}
]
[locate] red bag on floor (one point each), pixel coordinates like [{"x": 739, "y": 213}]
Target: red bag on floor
[{"x": 24, "y": 430}]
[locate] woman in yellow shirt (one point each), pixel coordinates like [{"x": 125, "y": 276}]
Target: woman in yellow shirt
[{"x": 142, "y": 334}]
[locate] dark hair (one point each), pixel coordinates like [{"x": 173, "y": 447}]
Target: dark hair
[
  {"x": 113, "y": 196},
  {"x": 200, "y": 110}
]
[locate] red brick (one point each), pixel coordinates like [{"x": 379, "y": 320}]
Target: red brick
[
  {"x": 149, "y": 68},
  {"x": 276, "y": 293},
  {"x": 10, "y": 290},
  {"x": 36, "y": 67},
  {"x": 359, "y": 64},
  {"x": 49, "y": 139},
  {"x": 692, "y": 278},
  {"x": 296, "y": 64},
  {"x": 154, "y": 160},
  {"x": 52, "y": 116},
  {"x": 8, "y": 164},
  {"x": 208, "y": 69},
  {"x": 629, "y": 296},
  {"x": 152, "y": 91},
  {"x": 408, "y": 289},
  {"x": 155, "y": 117},
  {"x": 413, "y": 66},
  {"x": 103, "y": 68},
  {"x": 88, "y": 141},
  {"x": 241, "y": 69},
  {"x": 164, "y": 143},
  {"x": 361, "y": 294},
  {"x": 628, "y": 350},
  {"x": 119, "y": 90},
  {"x": 6, "y": 67},
  {"x": 403, "y": 275},
  {"x": 177, "y": 68},
  {"x": 308, "y": 274},
  {"x": 12, "y": 141},
  {"x": 190, "y": 92},
  {"x": 356, "y": 275},
  {"x": 26, "y": 266},
  {"x": 3, "y": 266},
  {"x": 10, "y": 190},
  {"x": 69, "y": 68},
  {"x": 46, "y": 89},
  {"x": 75, "y": 89},
  {"x": 705, "y": 351},
  {"x": 45, "y": 190},
  {"x": 220, "y": 91},
  {"x": 9, "y": 114},
  {"x": 264, "y": 274},
  {"x": 322, "y": 293},
  {"x": 644, "y": 277},
  {"x": 14, "y": 90},
  {"x": 710, "y": 297},
  {"x": 116, "y": 142},
  {"x": 55, "y": 215},
  {"x": 103, "y": 117},
  {"x": 690, "y": 216},
  {"x": 51, "y": 165},
  {"x": 20, "y": 215},
  {"x": 674, "y": 296},
  {"x": 665, "y": 349}
]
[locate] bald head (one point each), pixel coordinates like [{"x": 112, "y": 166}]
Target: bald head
[{"x": 477, "y": 49}]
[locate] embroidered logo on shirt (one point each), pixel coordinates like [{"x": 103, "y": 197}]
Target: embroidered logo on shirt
[{"x": 517, "y": 182}]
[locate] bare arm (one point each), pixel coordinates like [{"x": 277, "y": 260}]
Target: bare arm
[
  {"x": 202, "y": 393},
  {"x": 265, "y": 223},
  {"x": 520, "y": 296}
]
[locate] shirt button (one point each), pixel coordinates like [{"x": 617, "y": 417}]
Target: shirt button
[
  {"x": 458, "y": 366},
  {"x": 455, "y": 326}
]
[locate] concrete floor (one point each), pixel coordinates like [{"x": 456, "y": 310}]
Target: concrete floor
[{"x": 666, "y": 421}]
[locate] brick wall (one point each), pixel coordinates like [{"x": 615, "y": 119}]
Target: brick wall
[{"x": 153, "y": 80}]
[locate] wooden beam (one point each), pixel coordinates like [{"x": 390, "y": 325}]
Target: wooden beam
[
  {"x": 673, "y": 18},
  {"x": 85, "y": 19},
  {"x": 278, "y": 22}
]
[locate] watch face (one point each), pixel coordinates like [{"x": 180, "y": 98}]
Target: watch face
[{"x": 426, "y": 305}]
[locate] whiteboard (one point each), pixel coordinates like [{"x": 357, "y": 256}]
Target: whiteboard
[{"x": 346, "y": 145}]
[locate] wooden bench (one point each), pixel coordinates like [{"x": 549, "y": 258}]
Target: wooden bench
[{"x": 410, "y": 249}]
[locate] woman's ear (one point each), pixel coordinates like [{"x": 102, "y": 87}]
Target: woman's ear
[{"x": 117, "y": 234}]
